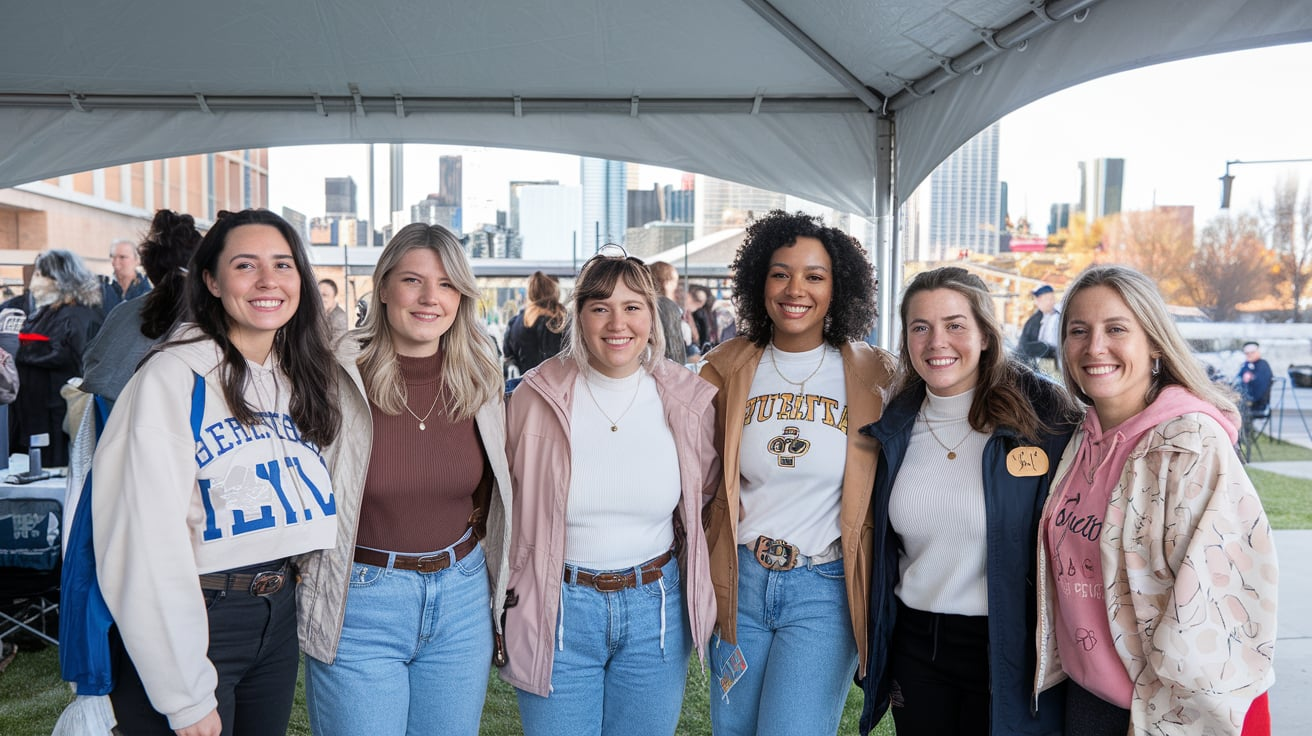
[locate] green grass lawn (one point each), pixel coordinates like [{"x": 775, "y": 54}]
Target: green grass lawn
[{"x": 32, "y": 695}]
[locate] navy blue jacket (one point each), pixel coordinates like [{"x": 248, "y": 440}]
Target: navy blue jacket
[{"x": 1012, "y": 508}]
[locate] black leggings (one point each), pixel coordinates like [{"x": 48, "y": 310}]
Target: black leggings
[
  {"x": 253, "y": 648},
  {"x": 939, "y": 666},
  {"x": 1089, "y": 715}
]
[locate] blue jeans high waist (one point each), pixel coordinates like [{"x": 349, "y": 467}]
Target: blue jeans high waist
[
  {"x": 795, "y": 632},
  {"x": 414, "y": 654},
  {"x": 620, "y": 663}
]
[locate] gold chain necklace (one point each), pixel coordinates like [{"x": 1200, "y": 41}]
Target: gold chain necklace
[
  {"x": 801, "y": 387},
  {"x": 952, "y": 451},
  {"x": 422, "y": 425},
  {"x": 614, "y": 423}
]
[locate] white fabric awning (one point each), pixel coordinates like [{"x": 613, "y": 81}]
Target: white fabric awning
[{"x": 783, "y": 96}]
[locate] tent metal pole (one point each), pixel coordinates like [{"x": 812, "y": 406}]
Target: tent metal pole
[{"x": 887, "y": 253}]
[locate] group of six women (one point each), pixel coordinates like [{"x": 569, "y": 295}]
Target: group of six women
[{"x": 983, "y": 552}]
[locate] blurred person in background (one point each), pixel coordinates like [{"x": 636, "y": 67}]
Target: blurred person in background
[
  {"x": 535, "y": 334},
  {"x": 66, "y": 297},
  {"x": 126, "y": 282},
  {"x": 335, "y": 314},
  {"x": 667, "y": 286},
  {"x": 138, "y": 324}
]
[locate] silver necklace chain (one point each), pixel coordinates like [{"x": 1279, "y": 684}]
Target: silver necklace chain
[
  {"x": 952, "y": 451},
  {"x": 614, "y": 423},
  {"x": 422, "y": 422},
  {"x": 801, "y": 386}
]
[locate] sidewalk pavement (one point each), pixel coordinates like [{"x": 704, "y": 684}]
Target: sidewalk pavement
[{"x": 1291, "y": 707}]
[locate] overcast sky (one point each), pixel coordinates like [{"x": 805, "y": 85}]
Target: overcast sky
[{"x": 1175, "y": 125}]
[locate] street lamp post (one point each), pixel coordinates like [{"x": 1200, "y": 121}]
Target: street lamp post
[{"x": 1227, "y": 179}]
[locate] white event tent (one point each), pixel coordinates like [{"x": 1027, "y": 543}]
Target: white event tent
[{"x": 850, "y": 103}]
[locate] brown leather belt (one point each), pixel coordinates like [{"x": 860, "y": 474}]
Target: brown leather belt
[
  {"x": 610, "y": 582},
  {"x": 421, "y": 563},
  {"x": 263, "y": 583}
]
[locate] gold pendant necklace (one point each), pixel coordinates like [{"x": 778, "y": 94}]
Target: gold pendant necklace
[
  {"x": 614, "y": 423},
  {"x": 801, "y": 387},
  {"x": 422, "y": 425},
  {"x": 952, "y": 451}
]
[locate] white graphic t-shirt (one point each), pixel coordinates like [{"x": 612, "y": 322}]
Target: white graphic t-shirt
[{"x": 794, "y": 449}]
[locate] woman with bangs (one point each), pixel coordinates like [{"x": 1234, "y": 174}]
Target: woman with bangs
[
  {"x": 789, "y": 528},
  {"x": 968, "y": 444},
  {"x": 611, "y": 457},
  {"x": 396, "y": 619}
]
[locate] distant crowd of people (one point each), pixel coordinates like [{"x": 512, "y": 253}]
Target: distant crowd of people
[{"x": 981, "y": 547}]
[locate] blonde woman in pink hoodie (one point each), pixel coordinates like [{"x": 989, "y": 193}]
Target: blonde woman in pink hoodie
[{"x": 1157, "y": 572}]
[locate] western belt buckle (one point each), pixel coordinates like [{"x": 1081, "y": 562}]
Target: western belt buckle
[
  {"x": 609, "y": 582},
  {"x": 433, "y": 563},
  {"x": 267, "y": 583},
  {"x": 775, "y": 554}
]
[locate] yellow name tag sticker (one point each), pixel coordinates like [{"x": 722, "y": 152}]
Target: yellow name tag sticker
[{"x": 1027, "y": 461}]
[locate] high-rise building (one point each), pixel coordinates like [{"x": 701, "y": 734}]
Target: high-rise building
[
  {"x": 645, "y": 205},
  {"x": 515, "y": 186},
  {"x": 679, "y": 203},
  {"x": 1101, "y": 182},
  {"x": 339, "y": 196},
  {"x": 433, "y": 211},
  {"x": 605, "y": 203},
  {"x": 723, "y": 205},
  {"x": 449, "y": 168},
  {"x": 547, "y": 218},
  {"x": 1059, "y": 217},
  {"x": 964, "y": 204}
]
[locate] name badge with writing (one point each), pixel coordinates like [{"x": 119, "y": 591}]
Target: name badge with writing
[{"x": 1027, "y": 461}]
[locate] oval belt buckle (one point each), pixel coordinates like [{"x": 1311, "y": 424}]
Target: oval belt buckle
[{"x": 267, "y": 583}]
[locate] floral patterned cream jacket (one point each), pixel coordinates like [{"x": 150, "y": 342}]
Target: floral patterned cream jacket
[{"x": 1190, "y": 574}]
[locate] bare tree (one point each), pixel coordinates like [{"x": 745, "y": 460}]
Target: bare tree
[
  {"x": 1159, "y": 242},
  {"x": 1231, "y": 266},
  {"x": 1289, "y": 221}
]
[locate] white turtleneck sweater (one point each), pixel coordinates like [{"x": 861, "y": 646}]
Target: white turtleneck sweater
[{"x": 937, "y": 509}]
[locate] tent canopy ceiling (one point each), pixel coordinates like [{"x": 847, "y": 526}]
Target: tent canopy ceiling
[{"x": 782, "y": 95}]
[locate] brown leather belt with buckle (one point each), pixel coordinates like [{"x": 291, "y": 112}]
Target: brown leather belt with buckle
[
  {"x": 610, "y": 582},
  {"x": 776, "y": 554},
  {"x": 263, "y": 584},
  {"x": 420, "y": 563}
]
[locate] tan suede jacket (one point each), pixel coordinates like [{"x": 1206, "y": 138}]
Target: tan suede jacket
[{"x": 731, "y": 368}]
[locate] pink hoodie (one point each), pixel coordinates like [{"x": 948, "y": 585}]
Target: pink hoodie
[{"x": 1072, "y": 531}]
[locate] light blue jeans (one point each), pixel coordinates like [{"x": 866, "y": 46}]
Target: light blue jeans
[
  {"x": 795, "y": 632},
  {"x": 414, "y": 655},
  {"x": 613, "y": 673}
]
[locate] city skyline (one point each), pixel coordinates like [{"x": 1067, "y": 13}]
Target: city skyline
[{"x": 1166, "y": 122}]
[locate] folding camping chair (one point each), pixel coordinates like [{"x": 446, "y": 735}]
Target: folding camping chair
[{"x": 31, "y": 524}]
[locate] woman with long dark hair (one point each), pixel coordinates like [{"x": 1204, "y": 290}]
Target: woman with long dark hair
[
  {"x": 789, "y": 527},
  {"x": 209, "y": 479},
  {"x": 968, "y": 443},
  {"x": 397, "y": 620}
]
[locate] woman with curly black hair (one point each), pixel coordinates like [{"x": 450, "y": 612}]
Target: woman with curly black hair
[{"x": 789, "y": 528}]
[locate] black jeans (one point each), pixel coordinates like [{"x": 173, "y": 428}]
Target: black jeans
[
  {"x": 254, "y": 650},
  {"x": 939, "y": 667},
  {"x": 1089, "y": 715}
]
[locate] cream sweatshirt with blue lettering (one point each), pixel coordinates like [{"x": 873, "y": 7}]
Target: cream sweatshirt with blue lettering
[{"x": 181, "y": 488}]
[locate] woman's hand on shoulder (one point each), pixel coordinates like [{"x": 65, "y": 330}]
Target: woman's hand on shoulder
[{"x": 210, "y": 725}]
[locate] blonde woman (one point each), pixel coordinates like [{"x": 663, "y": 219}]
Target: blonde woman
[
  {"x": 610, "y": 448},
  {"x": 397, "y": 620}
]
